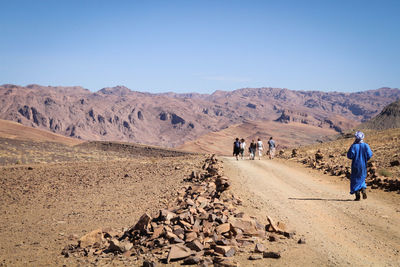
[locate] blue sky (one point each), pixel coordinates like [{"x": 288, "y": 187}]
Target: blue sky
[{"x": 201, "y": 46}]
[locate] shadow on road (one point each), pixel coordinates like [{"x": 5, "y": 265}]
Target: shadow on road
[{"x": 324, "y": 199}]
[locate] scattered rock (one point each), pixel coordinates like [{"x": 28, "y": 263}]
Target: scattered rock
[
  {"x": 301, "y": 241},
  {"x": 395, "y": 163},
  {"x": 259, "y": 248},
  {"x": 272, "y": 238},
  {"x": 255, "y": 257},
  {"x": 202, "y": 226},
  {"x": 178, "y": 252},
  {"x": 192, "y": 260},
  {"x": 226, "y": 251},
  {"x": 92, "y": 239},
  {"x": 271, "y": 254},
  {"x": 319, "y": 156},
  {"x": 141, "y": 225},
  {"x": 149, "y": 264}
]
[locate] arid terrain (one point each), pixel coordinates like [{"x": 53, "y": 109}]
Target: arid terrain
[
  {"x": 383, "y": 168},
  {"x": 47, "y": 205},
  {"x": 57, "y": 190},
  {"x": 337, "y": 230},
  {"x": 286, "y": 135},
  {"x": 169, "y": 119}
]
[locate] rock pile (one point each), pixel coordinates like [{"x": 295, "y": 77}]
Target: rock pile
[
  {"x": 338, "y": 165},
  {"x": 375, "y": 181},
  {"x": 202, "y": 226}
]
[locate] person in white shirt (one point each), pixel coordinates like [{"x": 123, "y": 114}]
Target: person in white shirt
[
  {"x": 242, "y": 147},
  {"x": 260, "y": 148}
]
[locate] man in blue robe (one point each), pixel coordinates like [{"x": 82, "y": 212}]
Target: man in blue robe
[{"x": 359, "y": 153}]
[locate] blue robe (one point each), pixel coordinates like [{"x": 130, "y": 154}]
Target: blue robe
[{"x": 359, "y": 153}]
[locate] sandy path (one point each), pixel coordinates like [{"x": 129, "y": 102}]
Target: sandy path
[{"x": 337, "y": 230}]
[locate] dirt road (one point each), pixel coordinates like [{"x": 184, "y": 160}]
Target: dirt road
[{"x": 318, "y": 207}]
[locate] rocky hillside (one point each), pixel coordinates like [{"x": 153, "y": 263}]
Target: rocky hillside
[
  {"x": 388, "y": 118},
  {"x": 331, "y": 157},
  {"x": 119, "y": 114}
]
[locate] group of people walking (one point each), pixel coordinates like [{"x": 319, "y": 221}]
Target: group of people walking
[
  {"x": 239, "y": 148},
  {"x": 359, "y": 152}
]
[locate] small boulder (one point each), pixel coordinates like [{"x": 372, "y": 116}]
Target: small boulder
[
  {"x": 178, "y": 252},
  {"x": 93, "y": 239},
  {"x": 143, "y": 222},
  {"x": 271, "y": 254},
  {"x": 259, "y": 248},
  {"x": 301, "y": 241}
]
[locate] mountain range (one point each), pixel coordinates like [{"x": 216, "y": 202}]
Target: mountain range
[{"x": 171, "y": 119}]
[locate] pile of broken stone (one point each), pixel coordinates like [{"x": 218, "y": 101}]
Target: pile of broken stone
[
  {"x": 336, "y": 165},
  {"x": 202, "y": 226}
]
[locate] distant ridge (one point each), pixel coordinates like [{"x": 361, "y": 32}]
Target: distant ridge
[
  {"x": 388, "y": 118},
  {"x": 171, "y": 119}
]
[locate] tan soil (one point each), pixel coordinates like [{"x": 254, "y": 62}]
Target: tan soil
[
  {"x": 47, "y": 206},
  {"x": 337, "y": 230},
  {"x": 285, "y": 135},
  {"x": 52, "y": 205},
  {"x": 385, "y": 145},
  {"x": 13, "y": 130}
]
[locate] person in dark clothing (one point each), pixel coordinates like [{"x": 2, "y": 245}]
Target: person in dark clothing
[
  {"x": 271, "y": 145},
  {"x": 359, "y": 153},
  {"x": 252, "y": 149},
  {"x": 236, "y": 148}
]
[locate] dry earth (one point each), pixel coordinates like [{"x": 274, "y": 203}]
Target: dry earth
[
  {"x": 16, "y": 131},
  {"x": 47, "y": 206},
  {"x": 286, "y": 135},
  {"x": 385, "y": 145},
  {"x": 337, "y": 230}
]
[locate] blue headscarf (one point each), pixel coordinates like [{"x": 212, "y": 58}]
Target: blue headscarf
[{"x": 359, "y": 137}]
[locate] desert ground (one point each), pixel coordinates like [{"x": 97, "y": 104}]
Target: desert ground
[
  {"x": 286, "y": 135},
  {"x": 47, "y": 206},
  {"x": 54, "y": 192},
  {"x": 338, "y": 231}
]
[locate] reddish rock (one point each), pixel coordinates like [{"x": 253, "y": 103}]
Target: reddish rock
[
  {"x": 248, "y": 226},
  {"x": 166, "y": 215},
  {"x": 143, "y": 222},
  {"x": 157, "y": 232},
  {"x": 195, "y": 245},
  {"x": 190, "y": 236},
  {"x": 192, "y": 260},
  {"x": 223, "y": 228},
  {"x": 94, "y": 238},
  {"x": 178, "y": 252},
  {"x": 226, "y": 251},
  {"x": 259, "y": 248}
]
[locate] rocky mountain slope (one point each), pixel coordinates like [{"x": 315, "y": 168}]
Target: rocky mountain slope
[
  {"x": 169, "y": 119},
  {"x": 388, "y": 118}
]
